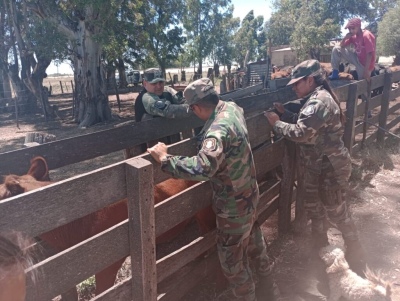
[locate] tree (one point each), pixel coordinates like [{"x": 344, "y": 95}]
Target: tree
[
  {"x": 89, "y": 26},
  {"x": 200, "y": 21},
  {"x": 161, "y": 35},
  {"x": 388, "y": 41},
  {"x": 378, "y": 9},
  {"x": 249, "y": 38},
  {"x": 223, "y": 50},
  {"x": 33, "y": 44},
  {"x": 307, "y": 25},
  {"x": 313, "y": 31}
]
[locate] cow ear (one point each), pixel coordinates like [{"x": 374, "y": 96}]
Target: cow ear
[{"x": 39, "y": 169}]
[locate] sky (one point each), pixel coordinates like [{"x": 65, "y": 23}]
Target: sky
[{"x": 241, "y": 9}]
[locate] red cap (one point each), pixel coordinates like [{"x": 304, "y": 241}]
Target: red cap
[{"x": 355, "y": 22}]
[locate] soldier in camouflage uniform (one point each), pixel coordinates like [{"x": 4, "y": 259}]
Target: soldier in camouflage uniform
[
  {"x": 318, "y": 130},
  {"x": 156, "y": 100},
  {"x": 225, "y": 158}
]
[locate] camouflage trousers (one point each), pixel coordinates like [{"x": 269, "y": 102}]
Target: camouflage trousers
[
  {"x": 325, "y": 196},
  {"x": 240, "y": 240}
]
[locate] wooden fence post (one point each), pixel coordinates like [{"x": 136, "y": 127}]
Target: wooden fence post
[
  {"x": 351, "y": 113},
  {"x": 286, "y": 194},
  {"x": 62, "y": 91},
  {"x": 387, "y": 87},
  {"x": 300, "y": 222},
  {"x": 139, "y": 185}
]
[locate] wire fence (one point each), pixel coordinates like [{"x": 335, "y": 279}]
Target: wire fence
[{"x": 59, "y": 85}]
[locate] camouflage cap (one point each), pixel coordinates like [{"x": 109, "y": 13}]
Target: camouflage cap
[
  {"x": 153, "y": 75},
  {"x": 306, "y": 68},
  {"x": 198, "y": 90}
]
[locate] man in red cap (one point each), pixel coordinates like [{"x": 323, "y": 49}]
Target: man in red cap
[{"x": 363, "y": 56}]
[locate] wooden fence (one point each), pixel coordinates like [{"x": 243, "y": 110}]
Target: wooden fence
[{"x": 172, "y": 276}]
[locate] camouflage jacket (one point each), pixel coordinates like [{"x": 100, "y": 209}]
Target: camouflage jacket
[
  {"x": 170, "y": 104},
  {"x": 318, "y": 130},
  {"x": 225, "y": 158}
]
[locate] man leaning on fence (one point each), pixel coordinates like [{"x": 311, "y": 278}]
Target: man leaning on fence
[
  {"x": 225, "y": 158},
  {"x": 157, "y": 100},
  {"x": 363, "y": 56}
]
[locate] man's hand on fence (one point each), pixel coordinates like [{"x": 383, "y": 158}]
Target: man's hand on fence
[
  {"x": 279, "y": 107},
  {"x": 158, "y": 151},
  {"x": 272, "y": 117}
]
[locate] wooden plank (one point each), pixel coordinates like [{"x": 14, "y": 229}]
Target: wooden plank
[
  {"x": 384, "y": 107},
  {"x": 266, "y": 100},
  {"x": 377, "y": 81},
  {"x": 351, "y": 113},
  {"x": 242, "y": 92},
  {"x": 286, "y": 194},
  {"x": 268, "y": 202},
  {"x": 142, "y": 239},
  {"x": 171, "y": 263},
  {"x": 396, "y": 76},
  {"x": 374, "y": 103},
  {"x": 70, "y": 267},
  {"x": 80, "y": 148},
  {"x": 393, "y": 123},
  {"x": 267, "y": 157},
  {"x": 42, "y": 210},
  {"x": 394, "y": 108},
  {"x": 180, "y": 287},
  {"x": 121, "y": 291},
  {"x": 259, "y": 130},
  {"x": 343, "y": 91},
  {"x": 394, "y": 94}
]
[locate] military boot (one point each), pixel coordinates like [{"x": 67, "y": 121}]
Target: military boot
[{"x": 266, "y": 287}]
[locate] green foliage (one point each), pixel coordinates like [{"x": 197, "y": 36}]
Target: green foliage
[
  {"x": 307, "y": 25},
  {"x": 223, "y": 50},
  {"x": 160, "y": 34},
  {"x": 202, "y": 20},
  {"x": 378, "y": 9},
  {"x": 313, "y": 31},
  {"x": 388, "y": 39},
  {"x": 250, "y": 38}
]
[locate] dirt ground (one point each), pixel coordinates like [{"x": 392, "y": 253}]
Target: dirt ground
[{"x": 373, "y": 197}]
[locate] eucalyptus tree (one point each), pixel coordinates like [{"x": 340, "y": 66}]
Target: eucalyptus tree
[
  {"x": 34, "y": 43},
  {"x": 88, "y": 25},
  {"x": 247, "y": 39},
  {"x": 223, "y": 51},
  {"x": 388, "y": 40},
  {"x": 161, "y": 33},
  {"x": 200, "y": 20}
]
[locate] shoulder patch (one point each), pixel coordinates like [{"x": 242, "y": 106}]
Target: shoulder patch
[
  {"x": 309, "y": 110},
  {"x": 160, "y": 105},
  {"x": 209, "y": 144}
]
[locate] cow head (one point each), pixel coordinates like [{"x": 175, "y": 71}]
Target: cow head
[{"x": 37, "y": 176}]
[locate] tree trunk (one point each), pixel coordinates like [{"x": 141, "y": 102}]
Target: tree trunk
[
  {"x": 90, "y": 82},
  {"x": 122, "y": 74},
  {"x": 34, "y": 82}
]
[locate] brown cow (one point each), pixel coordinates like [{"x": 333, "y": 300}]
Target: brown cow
[{"x": 81, "y": 229}]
